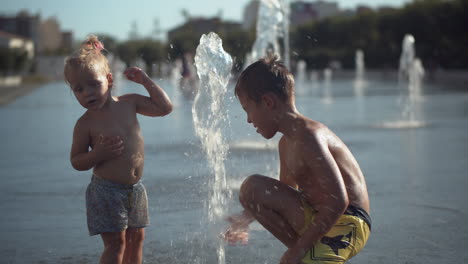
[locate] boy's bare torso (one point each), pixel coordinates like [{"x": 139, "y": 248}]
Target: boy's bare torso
[
  {"x": 316, "y": 136},
  {"x": 119, "y": 120}
]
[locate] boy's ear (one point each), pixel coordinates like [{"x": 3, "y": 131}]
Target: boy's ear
[
  {"x": 268, "y": 101},
  {"x": 110, "y": 79}
]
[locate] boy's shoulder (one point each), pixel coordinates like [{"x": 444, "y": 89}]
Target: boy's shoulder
[
  {"x": 311, "y": 129},
  {"x": 311, "y": 134},
  {"x": 128, "y": 100},
  {"x": 83, "y": 120},
  {"x": 308, "y": 131}
]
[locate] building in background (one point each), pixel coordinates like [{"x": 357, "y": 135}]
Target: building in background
[
  {"x": 16, "y": 52},
  {"x": 50, "y": 36},
  {"x": 45, "y": 34},
  {"x": 22, "y": 24},
  {"x": 43, "y": 40},
  {"x": 249, "y": 16},
  {"x": 12, "y": 41},
  {"x": 67, "y": 40},
  {"x": 303, "y": 12}
]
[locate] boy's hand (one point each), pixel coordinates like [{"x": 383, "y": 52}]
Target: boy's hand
[
  {"x": 235, "y": 236},
  {"x": 108, "y": 147},
  {"x": 238, "y": 231},
  {"x": 136, "y": 74}
]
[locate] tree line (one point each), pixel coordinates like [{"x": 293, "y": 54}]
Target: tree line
[{"x": 437, "y": 25}]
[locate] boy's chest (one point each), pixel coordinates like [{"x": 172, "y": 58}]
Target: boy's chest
[{"x": 122, "y": 123}]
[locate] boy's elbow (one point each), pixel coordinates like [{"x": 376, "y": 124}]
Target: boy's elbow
[
  {"x": 77, "y": 166},
  {"x": 343, "y": 203},
  {"x": 168, "y": 109},
  {"x": 338, "y": 204},
  {"x": 163, "y": 111}
]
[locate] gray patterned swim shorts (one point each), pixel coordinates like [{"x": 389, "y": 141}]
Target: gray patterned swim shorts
[{"x": 113, "y": 207}]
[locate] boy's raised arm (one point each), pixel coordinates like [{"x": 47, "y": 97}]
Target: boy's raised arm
[{"x": 158, "y": 104}]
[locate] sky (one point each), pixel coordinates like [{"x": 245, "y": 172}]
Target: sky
[{"x": 115, "y": 17}]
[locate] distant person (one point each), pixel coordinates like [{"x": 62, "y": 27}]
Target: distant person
[
  {"x": 319, "y": 208},
  {"x": 107, "y": 138},
  {"x": 188, "y": 83}
]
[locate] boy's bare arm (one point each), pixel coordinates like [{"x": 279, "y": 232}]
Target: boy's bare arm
[
  {"x": 285, "y": 175},
  {"x": 158, "y": 104},
  {"x": 106, "y": 148},
  {"x": 332, "y": 195}
]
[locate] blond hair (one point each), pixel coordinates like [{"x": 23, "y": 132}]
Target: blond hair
[{"x": 88, "y": 56}]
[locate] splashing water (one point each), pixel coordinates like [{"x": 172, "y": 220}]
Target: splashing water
[
  {"x": 359, "y": 81},
  {"x": 359, "y": 62},
  {"x": 406, "y": 56},
  {"x": 272, "y": 24},
  {"x": 410, "y": 74},
  {"x": 209, "y": 117},
  {"x": 410, "y": 70},
  {"x": 327, "y": 94},
  {"x": 300, "y": 79}
]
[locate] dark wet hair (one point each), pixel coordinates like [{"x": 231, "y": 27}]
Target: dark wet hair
[{"x": 267, "y": 75}]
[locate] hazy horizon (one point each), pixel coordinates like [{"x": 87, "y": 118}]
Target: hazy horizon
[{"x": 115, "y": 18}]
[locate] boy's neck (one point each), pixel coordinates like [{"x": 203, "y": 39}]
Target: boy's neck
[
  {"x": 289, "y": 121},
  {"x": 107, "y": 105}
]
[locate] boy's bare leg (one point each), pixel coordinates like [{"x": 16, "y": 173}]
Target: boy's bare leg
[
  {"x": 114, "y": 247},
  {"x": 275, "y": 205},
  {"x": 134, "y": 246}
]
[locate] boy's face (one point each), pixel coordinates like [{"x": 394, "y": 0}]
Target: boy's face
[
  {"x": 259, "y": 115},
  {"x": 91, "y": 87}
]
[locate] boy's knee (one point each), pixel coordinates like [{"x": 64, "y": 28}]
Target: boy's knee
[
  {"x": 115, "y": 244},
  {"x": 248, "y": 187},
  {"x": 136, "y": 236}
]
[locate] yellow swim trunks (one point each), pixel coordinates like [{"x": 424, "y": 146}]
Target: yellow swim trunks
[{"x": 344, "y": 240}]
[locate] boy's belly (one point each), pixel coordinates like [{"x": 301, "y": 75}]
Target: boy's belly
[{"x": 126, "y": 169}]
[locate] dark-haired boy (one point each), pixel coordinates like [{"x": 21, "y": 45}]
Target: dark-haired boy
[{"x": 319, "y": 207}]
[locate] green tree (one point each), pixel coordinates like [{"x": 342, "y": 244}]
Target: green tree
[
  {"x": 437, "y": 25},
  {"x": 128, "y": 51},
  {"x": 152, "y": 52},
  {"x": 13, "y": 61}
]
